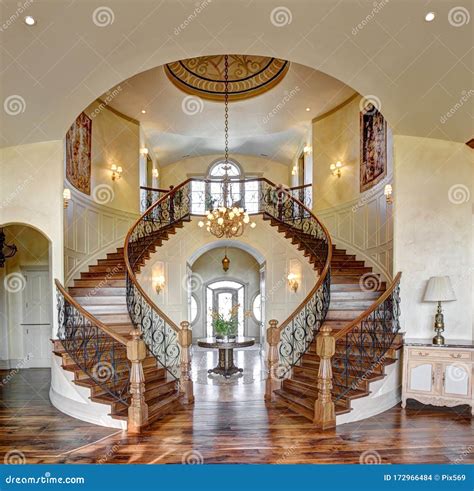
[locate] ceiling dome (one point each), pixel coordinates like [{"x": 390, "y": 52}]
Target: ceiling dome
[{"x": 249, "y": 75}]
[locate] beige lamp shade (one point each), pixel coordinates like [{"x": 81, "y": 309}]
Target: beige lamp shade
[{"x": 439, "y": 289}]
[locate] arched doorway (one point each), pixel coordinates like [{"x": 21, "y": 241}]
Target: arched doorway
[{"x": 26, "y": 305}]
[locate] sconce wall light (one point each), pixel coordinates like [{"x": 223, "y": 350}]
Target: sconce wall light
[
  {"x": 308, "y": 149},
  {"x": 66, "y": 197},
  {"x": 116, "y": 172},
  {"x": 293, "y": 282},
  {"x": 294, "y": 171},
  {"x": 159, "y": 284},
  {"x": 155, "y": 173},
  {"x": 336, "y": 168},
  {"x": 144, "y": 151},
  {"x": 388, "y": 193}
]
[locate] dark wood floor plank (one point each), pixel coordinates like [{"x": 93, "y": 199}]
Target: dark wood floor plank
[{"x": 248, "y": 431}]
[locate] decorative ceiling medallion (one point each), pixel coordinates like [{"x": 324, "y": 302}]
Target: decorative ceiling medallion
[{"x": 248, "y": 75}]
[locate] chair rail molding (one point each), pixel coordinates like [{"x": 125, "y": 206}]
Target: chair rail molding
[
  {"x": 364, "y": 226},
  {"x": 91, "y": 230}
]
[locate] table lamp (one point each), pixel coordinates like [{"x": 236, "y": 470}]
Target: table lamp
[{"x": 439, "y": 289}]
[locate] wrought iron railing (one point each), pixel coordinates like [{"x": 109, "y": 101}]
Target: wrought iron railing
[
  {"x": 362, "y": 346},
  {"x": 196, "y": 197},
  {"x": 158, "y": 330},
  {"x": 97, "y": 351},
  {"x": 303, "y": 193},
  {"x": 149, "y": 195}
]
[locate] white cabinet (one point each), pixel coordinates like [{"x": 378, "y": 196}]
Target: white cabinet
[{"x": 438, "y": 375}]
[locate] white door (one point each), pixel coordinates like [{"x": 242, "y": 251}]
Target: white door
[
  {"x": 421, "y": 377},
  {"x": 37, "y": 318},
  {"x": 457, "y": 380}
]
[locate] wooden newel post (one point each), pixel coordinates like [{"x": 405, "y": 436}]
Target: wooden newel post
[
  {"x": 324, "y": 413},
  {"x": 273, "y": 382},
  {"x": 138, "y": 409},
  {"x": 185, "y": 339}
]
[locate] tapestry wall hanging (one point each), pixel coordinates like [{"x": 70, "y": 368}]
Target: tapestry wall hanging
[
  {"x": 78, "y": 153},
  {"x": 373, "y": 147}
]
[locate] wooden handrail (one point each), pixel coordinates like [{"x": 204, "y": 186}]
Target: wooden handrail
[
  {"x": 301, "y": 186},
  {"x": 259, "y": 179},
  {"x": 147, "y": 188},
  {"x": 96, "y": 322},
  {"x": 340, "y": 334}
]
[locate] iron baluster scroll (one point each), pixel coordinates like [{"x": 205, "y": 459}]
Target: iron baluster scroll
[
  {"x": 148, "y": 196},
  {"x": 368, "y": 338},
  {"x": 100, "y": 354},
  {"x": 298, "y": 331},
  {"x": 159, "y": 332}
]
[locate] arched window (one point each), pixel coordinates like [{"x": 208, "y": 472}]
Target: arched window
[
  {"x": 206, "y": 194},
  {"x": 193, "y": 309},
  {"x": 257, "y": 307}
]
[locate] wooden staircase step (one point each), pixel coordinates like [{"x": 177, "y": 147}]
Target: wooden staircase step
[
  {"x": 334, "y": 314},
  {"x": 89, "y": 291},
  {"x": 111, "y": 300},
  {"x": 109, "y": 309},
  {"x": 99, "y": 283}
]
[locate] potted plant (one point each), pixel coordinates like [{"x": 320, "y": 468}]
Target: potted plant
[{"x": 225, "y": 327}]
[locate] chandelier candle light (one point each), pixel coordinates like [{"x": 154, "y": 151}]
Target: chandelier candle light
[{"x": 226, "y": 219}]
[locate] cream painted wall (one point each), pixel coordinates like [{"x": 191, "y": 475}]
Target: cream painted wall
[
  {"x": 115, "y": 140},
  {"x": 31, "y": 188},
  {"x": 243, "y": 268},
  {"x": 433, "y": 233},
  {"x": 143, "y": 161},
  {"x": 358, "y": 222},
  {"x": 177, "y": 172},
  {"x": 280, "y": 258}
]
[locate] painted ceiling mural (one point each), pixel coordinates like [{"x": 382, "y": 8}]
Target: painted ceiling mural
[{"x": 249, "y": 75}]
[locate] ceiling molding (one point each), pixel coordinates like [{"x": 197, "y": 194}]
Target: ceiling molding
[
  {"x": 103, "y": 104},
  {"x": 335, "y": 109}
]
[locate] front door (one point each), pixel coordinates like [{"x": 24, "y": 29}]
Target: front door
[{"x": 223, "y": 301}]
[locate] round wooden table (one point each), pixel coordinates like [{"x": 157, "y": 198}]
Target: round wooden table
[{"x": 226, "y": 365}]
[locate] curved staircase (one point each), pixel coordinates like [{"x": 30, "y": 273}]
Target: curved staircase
[{"x": 135, "y": 359}]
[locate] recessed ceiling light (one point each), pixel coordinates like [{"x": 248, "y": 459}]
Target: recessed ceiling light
[
  {"x": 430, "y": 16},
  {"x": 308, "y": 109},
  {"x": 30, "y": 21},
  {"x": 143, "y": 111}
]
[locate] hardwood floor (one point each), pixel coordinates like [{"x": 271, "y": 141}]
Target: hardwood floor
[{"x": 239, "y": 431}]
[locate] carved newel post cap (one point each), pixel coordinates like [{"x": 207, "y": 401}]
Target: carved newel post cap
[{"x": 185, "y": 335}]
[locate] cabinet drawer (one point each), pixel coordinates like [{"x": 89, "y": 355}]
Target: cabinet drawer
[{"x": 439, "y": 354}]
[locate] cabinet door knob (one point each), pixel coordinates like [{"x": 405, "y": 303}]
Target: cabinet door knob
[
  {"x": 420, "y": 353},
  {"x": 455, "y": 355}
]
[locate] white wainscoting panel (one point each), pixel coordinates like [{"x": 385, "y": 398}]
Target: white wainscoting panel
[
  {"x": 364, "y": 227},
  {"x": 91, "y": 230}
]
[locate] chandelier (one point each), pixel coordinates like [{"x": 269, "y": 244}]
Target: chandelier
[{"x": 226, "y": 218}]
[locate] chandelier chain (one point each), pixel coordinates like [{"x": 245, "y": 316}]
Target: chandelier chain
[{"x": 226, "y": 108}]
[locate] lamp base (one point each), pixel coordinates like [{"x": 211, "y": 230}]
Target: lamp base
[{"x": 438, "y": 339}]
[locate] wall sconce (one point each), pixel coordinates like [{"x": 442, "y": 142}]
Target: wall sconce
[
  {"x": 388, "y": 193},
  {"x": 294, "y": 171},
  {"x": 336, "y": 168},
  {"x": 116, "y": 172},
  {"x": 66, "y": 197},
  {"x": 159, "y": 284},
  {"x": 307, "y": 149},
  {"x": 155, "y": 173},
  {"x": 293, "y": 282},
  {"x": 144, "y": 151}
]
